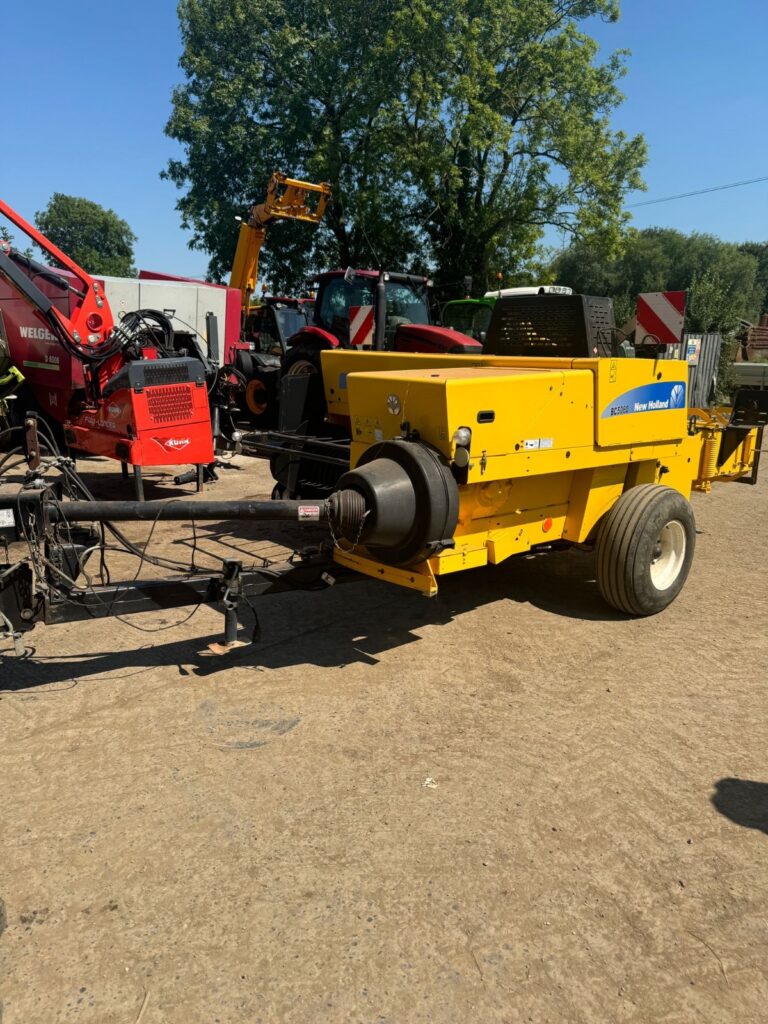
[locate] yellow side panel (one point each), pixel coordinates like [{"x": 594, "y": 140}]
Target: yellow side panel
[
  {"x": 538, "y": 416},
  {"x": 640, "y": 401},
  {"x": 593, "y": 492},
  {"x": 511, "y": 411},
  {"x": 489, "y": 506},
  {"x": 339, "y": 363}
]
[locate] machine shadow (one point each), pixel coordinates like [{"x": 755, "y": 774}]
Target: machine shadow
[
  {"x": 560, "y": 582},
  {"x": 332, "y": 628},
  {"x": 113, "y": 487},
  {"x": 743, "y": 802}
]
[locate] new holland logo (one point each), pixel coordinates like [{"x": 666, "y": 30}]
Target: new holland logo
[
  {"x": 661, "y": 397},
  {"x": 172, "y": 444}
]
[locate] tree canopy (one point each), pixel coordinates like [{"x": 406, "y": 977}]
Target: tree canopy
[
  {"x": 452, "y": 131},
  {"x": 759, "y": 250},
  {"x": 722, "y": 279},
  {"x": 94, "y": 237}
]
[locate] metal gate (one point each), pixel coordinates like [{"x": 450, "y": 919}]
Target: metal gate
[{"x": 702, "y": 352}]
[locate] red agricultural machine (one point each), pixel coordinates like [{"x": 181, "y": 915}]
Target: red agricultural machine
[
  {"x": 113, "y": 389},
  {"x": 374, "y": 310},
  {"x": 148, "y": 388}
]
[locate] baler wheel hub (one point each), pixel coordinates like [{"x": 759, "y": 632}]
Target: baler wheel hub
[{"x": 668, "y": 555}]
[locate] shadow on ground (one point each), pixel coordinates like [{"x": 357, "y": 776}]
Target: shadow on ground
[
  {"x": 743, "y": 802},
  {"x": 353, "y": 623},
  {"x": 158, "y": 483}
]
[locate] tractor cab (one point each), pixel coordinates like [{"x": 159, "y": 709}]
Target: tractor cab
[
  {"x": 270, "y": 326},
  {"x": 469, "y": 316},
  {"x": 364, "y": 308},
  {"x": 473, "y": 316}
]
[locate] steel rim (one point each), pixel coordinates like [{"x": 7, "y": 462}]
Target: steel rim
[{"x": 668, "y": 555}]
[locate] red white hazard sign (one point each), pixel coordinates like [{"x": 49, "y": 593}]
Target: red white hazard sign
[
  {"x": 361, "y": 326},
  {"x": 661, "y": 315}
]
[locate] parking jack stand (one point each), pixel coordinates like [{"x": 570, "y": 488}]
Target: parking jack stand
[{"x": 231, "y": 596}]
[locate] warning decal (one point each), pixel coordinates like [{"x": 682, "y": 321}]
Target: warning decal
[{"x": 309, "y": 512}]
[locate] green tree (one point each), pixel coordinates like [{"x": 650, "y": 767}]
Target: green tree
[
  {"x": 452, "y": 131},
  {"x": 507, "y": 127},
  {"x": 760, "y": 252},
  {"x": 95, "y": 238},
  {"x": 721, "y": 279},
  {"x": 8, "y": 237},
  {"x": 296, "y": 87}
]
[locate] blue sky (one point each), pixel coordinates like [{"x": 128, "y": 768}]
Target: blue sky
[{"x": 87, "y": 90}]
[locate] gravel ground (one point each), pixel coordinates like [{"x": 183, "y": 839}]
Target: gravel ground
[{"x": 504, "y": 804}]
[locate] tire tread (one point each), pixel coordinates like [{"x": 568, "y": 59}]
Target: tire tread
[{"x": 619, "y": 543}]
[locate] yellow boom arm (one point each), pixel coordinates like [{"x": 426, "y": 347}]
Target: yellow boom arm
[{"x": 287, "y": 199}]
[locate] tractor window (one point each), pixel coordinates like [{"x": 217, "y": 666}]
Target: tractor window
[
  {"x": 336, "y": 298},
  {"x": 470, "y": 317},
  {"x": 407, "y": 302},
  {"x": 290, "y": 322},
  {"x": 405, "y": 305},
  {"x": 261, "y": 332}
]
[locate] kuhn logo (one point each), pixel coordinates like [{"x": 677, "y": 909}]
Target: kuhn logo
[
  {"x": 172, "y": 444},
  {"x": 36, "y": 333},
  {"x": 114, "y": 410}
]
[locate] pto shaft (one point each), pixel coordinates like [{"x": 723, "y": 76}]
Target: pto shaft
[
  {"x": 345, "y": 511},
  {"x": 184, "y": 509}
]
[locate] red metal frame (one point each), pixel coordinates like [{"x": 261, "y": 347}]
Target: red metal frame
[
  {"x": 158, "y": 425},
  {"x": 92, "y": 304}
]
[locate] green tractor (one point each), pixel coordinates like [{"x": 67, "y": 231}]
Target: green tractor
[
  {"x": 469, "y": 316},
  {"x": 472, "y": 316}
]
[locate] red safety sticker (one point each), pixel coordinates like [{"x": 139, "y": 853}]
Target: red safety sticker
[{"x": 309, "y": 512}]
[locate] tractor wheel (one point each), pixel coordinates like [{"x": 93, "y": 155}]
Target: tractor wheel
[
  {"x": 256, "y": 398},
  {"x": 644, "y": 549},
  {"x": 305, "y": 362},
  {"x": 302, "y": 368}
]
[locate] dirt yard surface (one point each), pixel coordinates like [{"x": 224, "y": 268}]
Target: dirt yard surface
[{"x": 504, "y": 804}]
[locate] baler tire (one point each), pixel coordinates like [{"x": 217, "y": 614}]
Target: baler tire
[{"x": 644, "y": 549}]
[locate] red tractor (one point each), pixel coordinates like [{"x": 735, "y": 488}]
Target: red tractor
[
  {"x": 366, "y": 309},
  {"x": 354, "y": 308}
]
